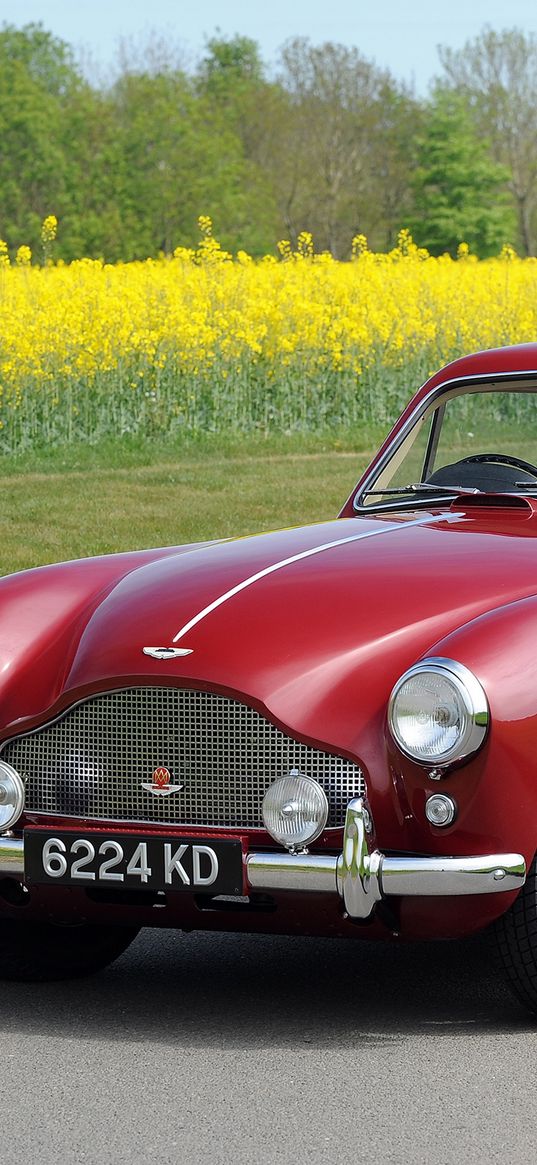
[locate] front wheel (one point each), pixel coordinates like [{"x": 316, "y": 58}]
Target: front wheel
[
  {"x": 516, "y": 936},
  {"x": 40, "y": 952}
]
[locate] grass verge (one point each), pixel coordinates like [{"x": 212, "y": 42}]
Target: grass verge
[{"x": 83, "y": 500}]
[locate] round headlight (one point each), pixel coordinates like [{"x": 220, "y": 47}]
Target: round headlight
[
  {"x": 438, "y": 712},
  {"x": 11, "y": 796},
  {"x": 295, "y": 810}
]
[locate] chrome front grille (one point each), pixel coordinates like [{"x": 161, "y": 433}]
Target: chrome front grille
[{"x": 93, "y": 761}]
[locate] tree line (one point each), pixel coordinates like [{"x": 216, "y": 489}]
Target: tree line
[{"x": 328, "y": 143}]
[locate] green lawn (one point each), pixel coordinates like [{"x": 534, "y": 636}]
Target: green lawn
[{"x": 83, "y": 501}]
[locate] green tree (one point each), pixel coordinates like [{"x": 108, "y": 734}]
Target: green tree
[
  {"x": 391, "y": 159},
  {"x": 231, "y": 66},
  {"x": 459, "y": 191},
  {"x": 342, "y": 142},
  {"x": 327, "y": 146},
  {"x": 95, "y": 221},
  {"x": 497, "y": 75},
  {"x": 177, "y": 158},
  {"x": 232, "y": 83},
  {"x": 48, "y": 61},
  {"x": 37, "y": 80}
]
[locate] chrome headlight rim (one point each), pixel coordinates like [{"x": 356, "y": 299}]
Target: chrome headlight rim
[
  {"x": 13, "y": 785},
  {"x": 475, "y": 702}
]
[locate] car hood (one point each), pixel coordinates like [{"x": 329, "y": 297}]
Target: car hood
[{"x": 313, "y": 625}]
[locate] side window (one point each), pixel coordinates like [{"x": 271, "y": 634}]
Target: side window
[
  {"x": 407, "y": 464},
  {"x": 488, "y": 422}
]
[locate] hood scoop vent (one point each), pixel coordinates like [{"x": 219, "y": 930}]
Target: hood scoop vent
[{"x": 463, "y": 502}]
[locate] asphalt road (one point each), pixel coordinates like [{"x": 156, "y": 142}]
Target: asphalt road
[{"x": 209, "y": 1049}]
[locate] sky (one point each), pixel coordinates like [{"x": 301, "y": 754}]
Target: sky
[{"x": 401, "y": 35}]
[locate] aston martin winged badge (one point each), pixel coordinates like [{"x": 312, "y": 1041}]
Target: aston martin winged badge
[
  {"x": 166, "y": 652},
  {"x": 161, "y": 786}
]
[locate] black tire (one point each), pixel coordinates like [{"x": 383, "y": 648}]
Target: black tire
[
  {"x": 41, "y": 952},
  {"x": 516, "y": 938}
]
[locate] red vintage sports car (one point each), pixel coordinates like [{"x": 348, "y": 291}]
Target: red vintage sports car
[{"x": 329, "y": 730}]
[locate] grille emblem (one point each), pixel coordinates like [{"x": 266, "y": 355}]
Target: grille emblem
[
  {"x": 160, "y": 785},
  {"x": 166, "y": 652}
]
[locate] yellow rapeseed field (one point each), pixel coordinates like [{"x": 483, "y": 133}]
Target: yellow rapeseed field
[{"x": 203, "y": 341}]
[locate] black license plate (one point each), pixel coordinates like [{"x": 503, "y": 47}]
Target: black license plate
[{"x": 198, "y": 866}]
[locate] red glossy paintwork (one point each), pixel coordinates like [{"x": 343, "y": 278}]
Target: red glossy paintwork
[{"x": 316, "y": 646}]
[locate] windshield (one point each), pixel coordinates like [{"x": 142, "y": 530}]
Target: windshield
[{"x": 482, "y": 441}]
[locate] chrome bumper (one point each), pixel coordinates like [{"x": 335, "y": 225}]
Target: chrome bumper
[{"x": 361, "y": 875}]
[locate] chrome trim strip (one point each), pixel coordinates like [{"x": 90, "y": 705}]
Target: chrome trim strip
[
  {"x": 414, "y": 417},
  {"x": 267, "y": 570},
  {"x": 137, "y": 823}
]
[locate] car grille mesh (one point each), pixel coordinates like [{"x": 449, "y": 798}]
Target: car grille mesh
[{"x": 92, "y": 762}]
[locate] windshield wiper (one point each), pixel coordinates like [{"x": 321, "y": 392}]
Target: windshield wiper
[{"x": 423, "y": 486}]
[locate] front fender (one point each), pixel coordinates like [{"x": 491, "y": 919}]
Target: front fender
[{"x": 497, "y": 790}]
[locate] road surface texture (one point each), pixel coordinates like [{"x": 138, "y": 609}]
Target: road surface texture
[{"x": 220, "y": 1048}]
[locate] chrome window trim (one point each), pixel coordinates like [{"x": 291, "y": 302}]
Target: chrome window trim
[{"x": 458, "y": 386}]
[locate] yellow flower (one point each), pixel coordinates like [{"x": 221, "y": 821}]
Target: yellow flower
[
  {"x": 359, "y": 246},
  {"x": 305, "y": 245},
  {"x": 222, "y": 342},
  {"x": 49, "y": 229},
  {"x": 24, "y": 256}
]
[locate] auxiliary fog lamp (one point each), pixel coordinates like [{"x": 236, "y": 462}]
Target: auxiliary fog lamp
[{"x": 295, "y": 810}]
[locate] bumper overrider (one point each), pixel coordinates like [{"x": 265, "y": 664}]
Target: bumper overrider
[{"x": 361, "y": 875}]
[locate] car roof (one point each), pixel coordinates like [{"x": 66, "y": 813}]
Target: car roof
[{"x": 492, "y": 361}]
